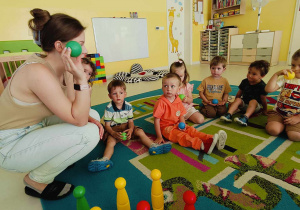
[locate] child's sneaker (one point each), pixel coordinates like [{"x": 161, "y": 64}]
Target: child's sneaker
[
  {"x": 157, "y": 149},
  {"x": 242, "y": 120},
  {"x": 226, "y": 117},
  {"x": 218, "y": 140},
  {"x": 222, "y": 139},
  {"x": 100, "y": 165}
]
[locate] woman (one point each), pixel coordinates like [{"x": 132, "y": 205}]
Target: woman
[{"x": 41, "y": 130}]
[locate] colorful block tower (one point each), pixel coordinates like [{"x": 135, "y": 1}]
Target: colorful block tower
[{"x": 100, "y": 68}]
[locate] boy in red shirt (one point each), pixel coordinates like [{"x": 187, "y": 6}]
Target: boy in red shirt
[{"x": 168, "y": 113}]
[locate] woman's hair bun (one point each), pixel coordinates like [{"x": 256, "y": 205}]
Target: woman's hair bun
[{"x": 40, "y": 18}]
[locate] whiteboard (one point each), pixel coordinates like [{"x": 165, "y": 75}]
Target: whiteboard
[{"x": 119, "y": 39}]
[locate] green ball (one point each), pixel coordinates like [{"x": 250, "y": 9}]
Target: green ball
[
  {"x": 76, "y": 49},
  {"x": 181, "y": 96},
  {"x": 124, "y": 136}
]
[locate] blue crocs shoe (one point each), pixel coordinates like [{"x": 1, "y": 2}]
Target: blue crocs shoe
[
  {"x": 99, "y": 165},
  {"x": 160, "y": 149}
]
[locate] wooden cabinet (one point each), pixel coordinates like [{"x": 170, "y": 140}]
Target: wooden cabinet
[
  {"x": 227, "y": 8},
  {"x": 215, "y": 42},
  {"x": 246, "y": 48}
]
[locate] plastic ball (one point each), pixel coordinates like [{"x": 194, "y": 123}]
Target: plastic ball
[
  {"x": 181, "y": 125},
  {"x": 124, "y": 136},
  {"x": 181, "y": 96},
  {"x": 215, "y": 101},
  {"x": 143, "y": 205},
  {"x": 76, "y": 49},
  {"x": 289, "y": 75}
]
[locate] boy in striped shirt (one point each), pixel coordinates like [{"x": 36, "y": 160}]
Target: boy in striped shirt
[{"x": 118, "y": 117}]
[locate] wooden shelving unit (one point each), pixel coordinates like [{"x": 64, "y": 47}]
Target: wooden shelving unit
[
  {"x": 215, "y": 42},
  {"x": 225, "y": 7},
  {"x": 246, "y": 48}
]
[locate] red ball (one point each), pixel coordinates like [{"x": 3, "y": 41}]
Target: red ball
[
  {"x": 189, "y": 197},
  {"x": 143, "y": 205}
]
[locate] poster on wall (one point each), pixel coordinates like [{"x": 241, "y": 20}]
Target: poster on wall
[{"x": 175, "y": 26}]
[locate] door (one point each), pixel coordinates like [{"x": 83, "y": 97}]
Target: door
[{"x": 295, "y": 41}]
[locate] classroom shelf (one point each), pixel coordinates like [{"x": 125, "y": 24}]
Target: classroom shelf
[
  {"x": 215, "y": 42},
  {"x": 237, "y": 7}
]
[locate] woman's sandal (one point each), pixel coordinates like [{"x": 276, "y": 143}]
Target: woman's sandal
[{"x": 53, "y": 191}]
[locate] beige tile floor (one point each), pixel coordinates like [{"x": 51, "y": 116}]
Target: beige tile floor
[{"x": 12, "y": 196}]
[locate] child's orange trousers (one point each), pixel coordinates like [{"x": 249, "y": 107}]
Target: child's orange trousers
[{"x": 189, "y": 137}]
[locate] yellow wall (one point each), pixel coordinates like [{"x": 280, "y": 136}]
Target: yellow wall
[
  {"x": 14, "y": 15},
  {"x": 277, "y": 15},
  {"x": 198, "y": 28}
]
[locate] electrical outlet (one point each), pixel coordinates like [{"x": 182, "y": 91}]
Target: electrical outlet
[{"x": 162, "y": 28}]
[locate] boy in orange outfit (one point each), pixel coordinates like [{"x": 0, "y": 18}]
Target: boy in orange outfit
[{"x": 169, "y": 112}]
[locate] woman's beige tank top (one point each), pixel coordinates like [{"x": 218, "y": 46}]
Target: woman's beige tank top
[{"x": 12, "y": 114}]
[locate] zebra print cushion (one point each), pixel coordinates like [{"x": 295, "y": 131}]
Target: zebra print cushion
[
  {"x": 132, "y": 79},
  {"x": 136, "y": 68},
  {"x": 121, "y": 76},
  {"x": 149, "y": 70},
  {"x": 161, "y": 73},
  {"x": 150, "y": 78}
]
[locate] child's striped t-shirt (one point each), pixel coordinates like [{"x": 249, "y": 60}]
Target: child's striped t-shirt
[{"x": 118, "y": 116}]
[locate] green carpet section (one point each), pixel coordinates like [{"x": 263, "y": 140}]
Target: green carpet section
[{"x": 173, "y": 166}]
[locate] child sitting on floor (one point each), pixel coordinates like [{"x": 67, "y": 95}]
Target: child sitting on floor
[
  {"x": 118, "y": 117},
  {"x": 192, "y": 114},
  {"x": 286, "y": 114},
  {"x": 251, "y": 95},
  {"x": 214, "y": 89},
  {"x": 169, "y": 112}
]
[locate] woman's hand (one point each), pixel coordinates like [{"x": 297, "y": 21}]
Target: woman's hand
[
  {"x": 74, "y": 67},
  {"x": 100, "y": 126}
]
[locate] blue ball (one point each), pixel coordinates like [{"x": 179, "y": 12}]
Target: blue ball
[
  {"x": 215, "y": 101},
  {"x": 181, "y": 125}
]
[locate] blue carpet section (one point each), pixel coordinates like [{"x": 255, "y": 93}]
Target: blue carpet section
[
  {"x": 227, "y": 183},
  {"x": 205, "y": 156},
  {"x": 100, "y": 189},
  {"x": 286, "y": 201},
  {"x": 268, "y": 150}
]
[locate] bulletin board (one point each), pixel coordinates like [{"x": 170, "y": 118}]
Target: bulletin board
[
  {"x": 119, "y": 39},
  {"x": 198, "y": 16}
]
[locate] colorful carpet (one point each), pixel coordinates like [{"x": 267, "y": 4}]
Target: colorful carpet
[{"x": 253, "y": 171}]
